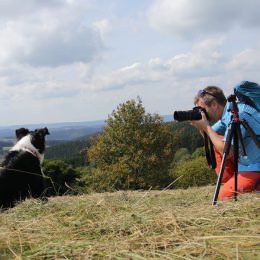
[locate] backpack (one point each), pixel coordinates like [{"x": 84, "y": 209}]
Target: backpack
[{"x": 248, "y": 93}]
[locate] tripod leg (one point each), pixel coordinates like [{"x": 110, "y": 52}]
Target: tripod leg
[
  {"x": 235, "y": 152},
  {"x": 223, "y": 162},
  {"x": 220, "y": 176}
]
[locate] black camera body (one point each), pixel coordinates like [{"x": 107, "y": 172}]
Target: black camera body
[{"x": 189, "y": 115}]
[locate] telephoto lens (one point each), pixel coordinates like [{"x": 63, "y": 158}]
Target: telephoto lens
[{"x": 189, "y": 115}]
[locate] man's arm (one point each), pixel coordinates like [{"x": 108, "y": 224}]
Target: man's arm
[{"x": 204, "y": 126}]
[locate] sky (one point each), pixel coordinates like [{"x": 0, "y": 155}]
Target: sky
[{"x": 77, "y": 60}]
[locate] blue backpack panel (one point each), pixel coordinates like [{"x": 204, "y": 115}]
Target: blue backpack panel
[{"x": 249, "y": 93}]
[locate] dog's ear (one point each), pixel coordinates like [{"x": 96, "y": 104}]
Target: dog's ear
[
  {"x": 42, "y": 131},
  {"x": 21, "y": 132},
  {"x": 46, "y": 131}
]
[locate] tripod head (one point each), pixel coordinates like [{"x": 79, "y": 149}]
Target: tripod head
[
  {"x": 233, "y": 105},
  {"x": 231, "y": 98}
]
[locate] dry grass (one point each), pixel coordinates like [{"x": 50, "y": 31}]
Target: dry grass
[{"x": 179, "y": 224}]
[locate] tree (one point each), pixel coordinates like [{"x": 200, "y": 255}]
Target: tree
[
  {"x": 134, "y": 150},
  {"x": 186, "y": 136}
]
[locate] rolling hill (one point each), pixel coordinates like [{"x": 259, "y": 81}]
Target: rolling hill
[{"x": 58, "y": 131}]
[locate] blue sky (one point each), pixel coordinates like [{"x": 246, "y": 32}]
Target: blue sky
[{"x": 77, "y": 60}]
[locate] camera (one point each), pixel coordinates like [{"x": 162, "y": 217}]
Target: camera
[{"x": 194, "y": 114}]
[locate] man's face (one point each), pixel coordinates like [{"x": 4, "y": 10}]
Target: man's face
[{"x": 213, "y": 110}]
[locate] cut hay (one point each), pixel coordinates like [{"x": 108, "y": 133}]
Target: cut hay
[{"x": 171, "y": 224}]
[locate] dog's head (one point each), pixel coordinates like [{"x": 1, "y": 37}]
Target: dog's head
[
  {"x": 38, "y": 138},
  {"x": 21, "y": 132}
]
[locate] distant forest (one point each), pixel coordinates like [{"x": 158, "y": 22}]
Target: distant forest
[{"x": 71, "y": 152}]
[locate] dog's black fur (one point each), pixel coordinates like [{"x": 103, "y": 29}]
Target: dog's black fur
[{"x": 21, "y": 174}]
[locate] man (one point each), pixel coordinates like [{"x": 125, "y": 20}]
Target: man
[{"x": 213, "y": 100}]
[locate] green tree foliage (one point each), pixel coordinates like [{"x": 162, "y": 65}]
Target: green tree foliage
[
  {"x": 134, "y": 150},
  {"x": 63, "y": 178},
  {"x": 182, "y": 154},
  {"x": 70, "y": 152},
  {"x": 199, "y": 152},
  {"x": 186, "y": 136},
  {"x": 192, "y": 173}
]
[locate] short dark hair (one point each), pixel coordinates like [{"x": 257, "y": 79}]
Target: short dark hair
[{"x": 211, "y": 93}]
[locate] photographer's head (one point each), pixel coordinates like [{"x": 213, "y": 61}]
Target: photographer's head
[{"x": 213, "y": 100}]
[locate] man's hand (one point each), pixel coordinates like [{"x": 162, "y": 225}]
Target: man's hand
[
  {"x": 201, "y": 124},
  {"x": 204, "y": 127}
]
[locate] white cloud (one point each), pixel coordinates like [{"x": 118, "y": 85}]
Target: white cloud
[
  {"x": 47, "y": 49},
  {"x": 199, "y": 62},
  {"x": 128, "y": 76},
  {"x": 247, "y": 60},
  {"x": 48, "y": 35},
  {"x": 13, "y": 8},
  {"x": 204, "y": 62},
  {"x": 188, "y": 18},
  {"x": 103, "y": 26},
  {"x": 22, "y": 82}
]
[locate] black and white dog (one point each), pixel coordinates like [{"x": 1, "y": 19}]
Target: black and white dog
[{"x": 21, "y": 174}]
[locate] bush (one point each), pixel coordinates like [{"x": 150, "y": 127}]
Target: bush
[
  {"x": 182, "y": 154},
  {"x": 63, "y": 178},
  {"x": 199, "y": 152},
  {"x": 192, "y": 173}
]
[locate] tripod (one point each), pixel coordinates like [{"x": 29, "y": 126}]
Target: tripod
[{"x": 234, "y": 133}]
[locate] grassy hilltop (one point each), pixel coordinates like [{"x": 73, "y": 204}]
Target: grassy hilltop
[{"x": 170, "y": 224}]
